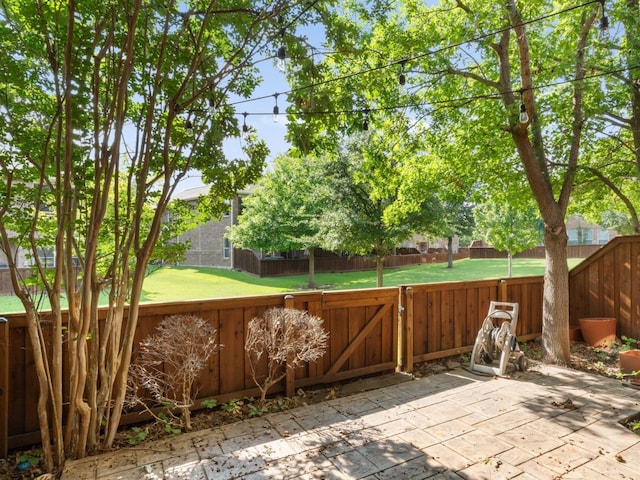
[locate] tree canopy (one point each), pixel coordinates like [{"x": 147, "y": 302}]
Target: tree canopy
[
  {"x": 106, "y": 106},
  {"x": 507, "y": 227},
  {"x": 286, "y": 210},
  {"x": 508, "y": 91}
]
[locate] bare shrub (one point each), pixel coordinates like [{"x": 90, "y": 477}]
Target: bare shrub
[
  {"x": 168, "y": 366},
  {"x": 288, "y": 338}
]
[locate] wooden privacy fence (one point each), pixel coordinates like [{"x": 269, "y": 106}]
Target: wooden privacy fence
[
  {"x": 370, "y": 331},
  {"x": 248, "y": 261},
  {"x": 573, "y": 251},
  {"x": 366, "y": 333},
  {"x": 443, "y": 319},
  {"x": 6, "y": 287},
  {"x": 363, "y": 339},
  {"x": 607, "y": 284}
]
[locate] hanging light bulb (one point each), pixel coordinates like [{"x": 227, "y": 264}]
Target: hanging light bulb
[
  {"x": 282, "y": 64},
  {"x": 276, "y": 110},
  {"x": 245, "y": 129},
  {"x": 524, "y": 116},
  {"x": 282, "y": 54},
  {"x": 402, "y": 79},
  {"x": 604, "y": 24}
]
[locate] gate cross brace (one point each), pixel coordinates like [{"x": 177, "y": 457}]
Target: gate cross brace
[{"x": 362, "y": 334}]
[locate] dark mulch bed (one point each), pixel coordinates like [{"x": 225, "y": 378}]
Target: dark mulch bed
[{"x": 24, "y": 464}]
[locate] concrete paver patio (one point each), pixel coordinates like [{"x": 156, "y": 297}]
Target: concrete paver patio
[{"x": 546, "y": 423}]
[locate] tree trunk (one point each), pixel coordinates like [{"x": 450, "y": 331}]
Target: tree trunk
[
  {"x": 509, "y": 264},
  {"x": 449, "y": 252},
  {"x": 312, "y": 267},
  {"x": 42, "y": 377},
  {"x": 555, "y": 312},
  {"x": 531, "y": 149},
  {"x": 379, "y": 270}
]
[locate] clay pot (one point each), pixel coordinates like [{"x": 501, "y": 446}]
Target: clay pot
[
  {"x": 630, "y": 362},
  {"x": 598, "y": 331}
]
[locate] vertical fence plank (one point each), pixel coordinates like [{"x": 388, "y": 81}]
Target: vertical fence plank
[
  {"x": 406, "y": 317},
  {"x": 4, "y": 387}
]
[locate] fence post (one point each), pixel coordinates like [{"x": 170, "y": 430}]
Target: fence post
[
  {"x": 406, "y": 328},
  {"x": 502, "y": 290},
  {"x": 4, "y": 387},
  {"x": 290, "y": 379}
]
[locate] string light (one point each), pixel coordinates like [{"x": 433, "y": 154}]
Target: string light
[
  {"x": 422, "y": 55},
  {"x": 245, "y": 129},
  {"x": 281, "y": 54},
  {"x": 282, "y": 64},
  {"x": 445, "y": 103},
  {"x": 365, "y": 123},
  {"x": 604, "y": 23},
  {"x": 276, "y": 110},
  {"x": 524, "y": 116},
  {"x": 402, "y": 79},
  {"x": 428, "y": 53}
]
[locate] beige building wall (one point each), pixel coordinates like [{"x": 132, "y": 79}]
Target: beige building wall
[
  {"x": 582, "y": 232},
  {"x": 208, "y": 246}
]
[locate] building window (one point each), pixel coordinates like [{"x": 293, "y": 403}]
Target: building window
[
  {"x": 603, "y": 236},
  {"x": 226, "y": 249},
  {"x": 47, "y": 257},
  {"x": 573, "y": 236}
]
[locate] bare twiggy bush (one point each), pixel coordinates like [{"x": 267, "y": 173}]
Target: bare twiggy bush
[
  {"x": 288, "y": 338},
  {"x": 168, "y": 366}
]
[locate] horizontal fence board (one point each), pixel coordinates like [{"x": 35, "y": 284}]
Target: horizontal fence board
[{"x": 573, "y": 251}]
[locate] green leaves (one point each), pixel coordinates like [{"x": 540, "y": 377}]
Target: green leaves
[
  {"x": 507, "y": 227},
  {"x": 381, "y": 196},
  {"x": 284, "y": 211}
]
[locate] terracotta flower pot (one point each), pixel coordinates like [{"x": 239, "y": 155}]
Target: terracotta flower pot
[
  {"x": 598, "y": 331},
  {"x": 630, "y": 362}
]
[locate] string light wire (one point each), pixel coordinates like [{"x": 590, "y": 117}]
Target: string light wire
[
  {"x": 417, "y": 57},
  {"x": 453, "y": 102}
]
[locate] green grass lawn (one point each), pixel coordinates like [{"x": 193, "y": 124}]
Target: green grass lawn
[
  {"x": 183, "y": 283},
  {"x": 190, "y": 283}
]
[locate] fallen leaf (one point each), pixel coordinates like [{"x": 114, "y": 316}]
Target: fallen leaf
[
  {"x": 331, "y": 395},
  {"x": 566, "y": 404}
]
